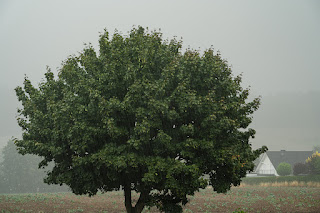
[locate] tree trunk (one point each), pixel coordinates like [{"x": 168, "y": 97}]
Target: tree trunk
[
  {"x": 127, "y": 198},
  {"x": 128, "y": 201}
]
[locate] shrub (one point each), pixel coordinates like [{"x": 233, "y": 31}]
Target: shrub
[
  {"x": 300, "y": 168},
  {"x": 284, "y": 169},
  {"x": 313, "y": 163}
]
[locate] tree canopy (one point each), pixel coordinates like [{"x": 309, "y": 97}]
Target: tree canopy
[
  {"x": 313, "y": 163},
  {"x": 140, "y": 115}
]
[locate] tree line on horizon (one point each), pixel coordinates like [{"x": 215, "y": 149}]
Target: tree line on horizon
[{"x": 20, "y": 173}]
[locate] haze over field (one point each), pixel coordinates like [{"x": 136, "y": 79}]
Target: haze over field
[{"x": 274, "y": 44}]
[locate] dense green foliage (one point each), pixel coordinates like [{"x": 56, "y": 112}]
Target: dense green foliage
[
  {"x": 284, "y": 169},
  {"x": 273, "y": 179},
  {"x": 20, "y": 174},
  {"x": 143, "y": 116},
  {"x": 313, "y": 163}
]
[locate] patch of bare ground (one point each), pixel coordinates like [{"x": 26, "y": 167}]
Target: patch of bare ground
[{"x": 245, "y": 198}]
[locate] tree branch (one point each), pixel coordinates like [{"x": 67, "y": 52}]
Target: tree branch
[{"x": 141, "y": 202}]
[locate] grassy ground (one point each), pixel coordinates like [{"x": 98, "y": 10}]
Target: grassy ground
[{"x": 247, "y": 198}]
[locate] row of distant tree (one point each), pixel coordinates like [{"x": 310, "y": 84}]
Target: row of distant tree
[{"x": 20, "y": 173}]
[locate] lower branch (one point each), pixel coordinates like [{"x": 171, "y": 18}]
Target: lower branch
[{"x": 141, "y": 202}]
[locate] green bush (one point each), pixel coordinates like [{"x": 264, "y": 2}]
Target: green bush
[
  {"x": 284, "y": 169},
  {"x": 300, "y": 168}
]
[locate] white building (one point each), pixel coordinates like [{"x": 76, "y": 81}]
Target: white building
[
  {"x": 268, "y": 162},
  {"x": 265, "y": 166}
]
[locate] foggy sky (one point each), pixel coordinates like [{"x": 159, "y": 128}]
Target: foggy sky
[{"x": 275, "y": 44}]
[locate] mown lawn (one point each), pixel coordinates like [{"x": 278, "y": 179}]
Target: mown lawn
[{"x": 244, "y": 198}]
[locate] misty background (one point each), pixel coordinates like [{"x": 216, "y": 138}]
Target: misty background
[{"x": 274, "y": 44}]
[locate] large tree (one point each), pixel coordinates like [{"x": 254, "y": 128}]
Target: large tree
[{"x": 140, "y": 115}]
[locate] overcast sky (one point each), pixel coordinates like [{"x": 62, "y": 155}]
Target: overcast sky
[{"x": 275, "y": 44}]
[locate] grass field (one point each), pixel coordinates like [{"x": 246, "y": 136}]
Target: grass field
[{"x": 247, "y": 198}]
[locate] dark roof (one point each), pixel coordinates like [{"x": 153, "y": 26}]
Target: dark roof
[{"x": 291, "y": 157}]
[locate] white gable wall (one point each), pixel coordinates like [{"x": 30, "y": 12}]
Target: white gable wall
[{"x": 265, "y": 167}]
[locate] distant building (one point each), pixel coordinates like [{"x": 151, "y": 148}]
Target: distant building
[
  {"x": 268, "y": 162},
  {"x": 264, "y": 166}
]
